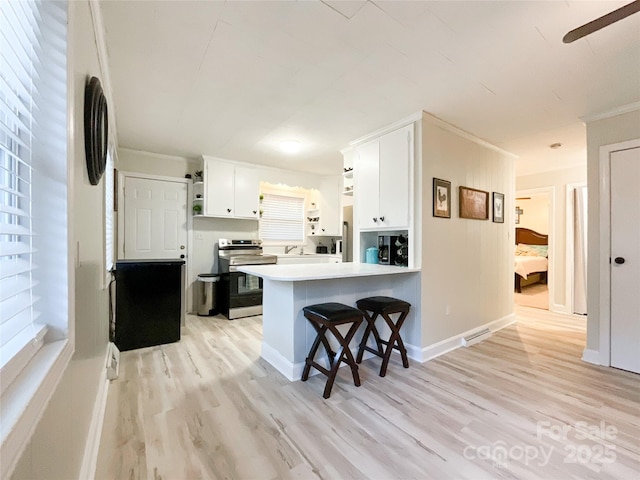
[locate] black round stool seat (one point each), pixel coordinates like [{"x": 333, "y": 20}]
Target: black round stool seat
[
  {"x": 328, "y": 316},
  {"x": 384, "y": 307}
]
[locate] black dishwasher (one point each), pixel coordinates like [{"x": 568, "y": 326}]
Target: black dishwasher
[{"x": 148, "y": 302}]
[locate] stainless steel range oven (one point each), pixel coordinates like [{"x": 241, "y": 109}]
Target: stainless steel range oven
[{"x": 240, "y": 294}]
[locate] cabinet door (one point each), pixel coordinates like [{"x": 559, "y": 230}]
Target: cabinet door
[
  {"x": 366, "y": 185},
  {"x": 247, "y": 193},
  {"x": 218, "y": 197},
  {"x": 395, "y": 159},
  {"x": 330, "y": 207}
]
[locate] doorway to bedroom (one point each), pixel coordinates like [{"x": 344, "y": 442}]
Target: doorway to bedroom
[{"x": 531, "y": 276}]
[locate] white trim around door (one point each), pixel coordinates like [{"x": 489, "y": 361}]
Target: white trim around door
[
  {"x": 604, "y": 176},
  {"x": 122, "y": 175}
]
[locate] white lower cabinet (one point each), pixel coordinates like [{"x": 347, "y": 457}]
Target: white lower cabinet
[{"x": 230, "y": 190}]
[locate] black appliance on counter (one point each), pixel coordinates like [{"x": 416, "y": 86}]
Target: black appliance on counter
[
  {"x": 149, "y": 302},
  {"x": 240, "y": 294},
  {"x": 393, "y": 250}
]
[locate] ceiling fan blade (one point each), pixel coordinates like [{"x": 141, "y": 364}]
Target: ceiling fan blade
[{"x": 598, "y": 23}]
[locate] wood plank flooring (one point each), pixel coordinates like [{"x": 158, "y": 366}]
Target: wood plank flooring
[{"x": 515, "y": 406}]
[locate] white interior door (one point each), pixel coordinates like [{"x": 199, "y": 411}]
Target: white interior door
[
  {"x": 155, "y": 219},
  {"x": 625, "y": 259}
]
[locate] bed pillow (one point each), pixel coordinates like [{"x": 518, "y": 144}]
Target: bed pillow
[
  {"x": 532, "y": 250},
  {"x": 541, "y": 250},
  {"x": 523, "y": 250}
]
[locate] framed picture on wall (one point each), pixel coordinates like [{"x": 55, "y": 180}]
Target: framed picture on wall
[
  {"x": 474, "y": 203},
  {"x": 441, "y": 198},
  {"x": 498, "y": 207}
]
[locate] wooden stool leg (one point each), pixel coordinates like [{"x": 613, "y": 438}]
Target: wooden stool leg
[
  {"x": 371, "y": 328},
  {"x": 340, "y": 354},
  {"x": 312, "y": 353},
  {"x": 365, "y": 337},
  {"x": 393, "y": 339}
]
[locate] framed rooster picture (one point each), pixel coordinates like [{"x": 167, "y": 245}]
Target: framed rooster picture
[{"x": 441, "y": 198}]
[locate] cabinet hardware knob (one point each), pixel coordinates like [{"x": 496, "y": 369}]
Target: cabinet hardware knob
[
  {"x": 228, "y": 210},
  {"x": 255, "y": 211},
  {"x": 382, "y": 219},
  {"x": 375, "y": 220},
  {"x": 619, "y": 260}
]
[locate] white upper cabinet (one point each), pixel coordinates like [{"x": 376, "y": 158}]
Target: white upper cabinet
[
  {"x": 395, "y": 160},
  {"x": 231, "y": 191},
  {"x": 382, "y": 181},
  {"x": 330, "y": 207},
  {"x": 366, "y": 187},
  {"x": 247, "y": 193}
]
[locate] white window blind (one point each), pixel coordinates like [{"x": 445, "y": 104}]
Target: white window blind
[
  {"x": 19, "y": 48},
  {"x": 282, "y": 219},
  {"x": 108, "y": 211}
]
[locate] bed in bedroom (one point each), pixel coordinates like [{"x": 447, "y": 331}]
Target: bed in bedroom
[{"x": 531, "y": 256}]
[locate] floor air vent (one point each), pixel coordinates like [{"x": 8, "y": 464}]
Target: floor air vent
[{"x": 476, "y": 337}]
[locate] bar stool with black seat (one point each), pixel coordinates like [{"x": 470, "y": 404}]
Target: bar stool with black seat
[
  {"x": 372, "y": 307},
  {"x": 328, "y": 316}
]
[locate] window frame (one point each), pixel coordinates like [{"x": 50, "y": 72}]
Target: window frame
[{"x": 24, "y": 401}]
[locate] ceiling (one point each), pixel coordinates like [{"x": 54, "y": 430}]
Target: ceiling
[{"x": 234, "y": 79}]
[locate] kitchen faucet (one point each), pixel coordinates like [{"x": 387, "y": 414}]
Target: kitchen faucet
[{"x": 287, "y": 249}]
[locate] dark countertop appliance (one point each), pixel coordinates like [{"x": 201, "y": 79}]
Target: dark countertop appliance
[
  {"x": 393, "y": 250},
  {"x": 149, "y": 302},
  {"x": 240, "y": 294}
]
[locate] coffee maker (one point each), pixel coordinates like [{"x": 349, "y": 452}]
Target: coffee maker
[{"x": 393, "y": 250}]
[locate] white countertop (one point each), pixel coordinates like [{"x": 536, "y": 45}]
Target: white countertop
[{"x": 322, "y": 271}]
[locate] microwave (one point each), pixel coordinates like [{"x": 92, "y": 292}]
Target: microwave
[{"x": 393, "y": 250}]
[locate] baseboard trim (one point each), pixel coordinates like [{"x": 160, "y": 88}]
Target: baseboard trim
[
  {"x": 445, "y": 346},
  {"x": 591, "y": 356},
  {"x": 293, "y": 371},
  {"x": 92, "y": 447}
]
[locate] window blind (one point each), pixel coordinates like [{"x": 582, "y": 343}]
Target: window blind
[
  {"x": 282, "y": 219},
  {"x": 108, "y": 211},
  {"x": 19, "y": 47}
]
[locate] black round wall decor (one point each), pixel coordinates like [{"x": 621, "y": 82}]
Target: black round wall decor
[{"x": 96, "y": 128}]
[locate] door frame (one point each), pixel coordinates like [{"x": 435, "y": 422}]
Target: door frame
[
  {"x": 569, "y": 239},
  {"x": 551, "y": 252},
  {"x": 122, "y": 176},
  {"x": 604, "y": 266}
]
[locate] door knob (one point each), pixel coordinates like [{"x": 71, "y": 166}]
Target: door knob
[
  {"x": 619, "y": 260},
  {"x": 181, "y": 256}
]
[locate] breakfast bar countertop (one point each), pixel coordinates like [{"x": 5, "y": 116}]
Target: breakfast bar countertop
[{"x": 322, "y": 271}]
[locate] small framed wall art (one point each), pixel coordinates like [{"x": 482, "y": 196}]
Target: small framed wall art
[
  {"x": 498, "y": 207},
  {"x": 474, "y": 203},
  {"x": 441, "y": 198}
]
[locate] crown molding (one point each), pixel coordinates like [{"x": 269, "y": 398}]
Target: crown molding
[{"x": 630, "y": 107}]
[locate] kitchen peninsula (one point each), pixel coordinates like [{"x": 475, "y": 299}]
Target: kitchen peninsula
[{"x": 287, "y": 335}]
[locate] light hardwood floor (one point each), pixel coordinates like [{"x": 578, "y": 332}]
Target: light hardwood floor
[{"x": 209, "y": 407}]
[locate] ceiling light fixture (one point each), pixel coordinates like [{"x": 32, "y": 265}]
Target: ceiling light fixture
[
  {"x": 555, "y": 146},
  {"x": 290, "y": 146}
]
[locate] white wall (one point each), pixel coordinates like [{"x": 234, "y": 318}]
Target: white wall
[
  {"x": 535, "y": 214},
  {"x": 467, "y": 265},
  {"x": 57, "y": 447},
  {"x": 557, "y": 181},
  {"x": 616, "y": 129}
]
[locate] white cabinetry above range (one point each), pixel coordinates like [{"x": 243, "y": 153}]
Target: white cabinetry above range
[
  {"x": 382, "y": 181},
  {"x": 230, "y": 190}
]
